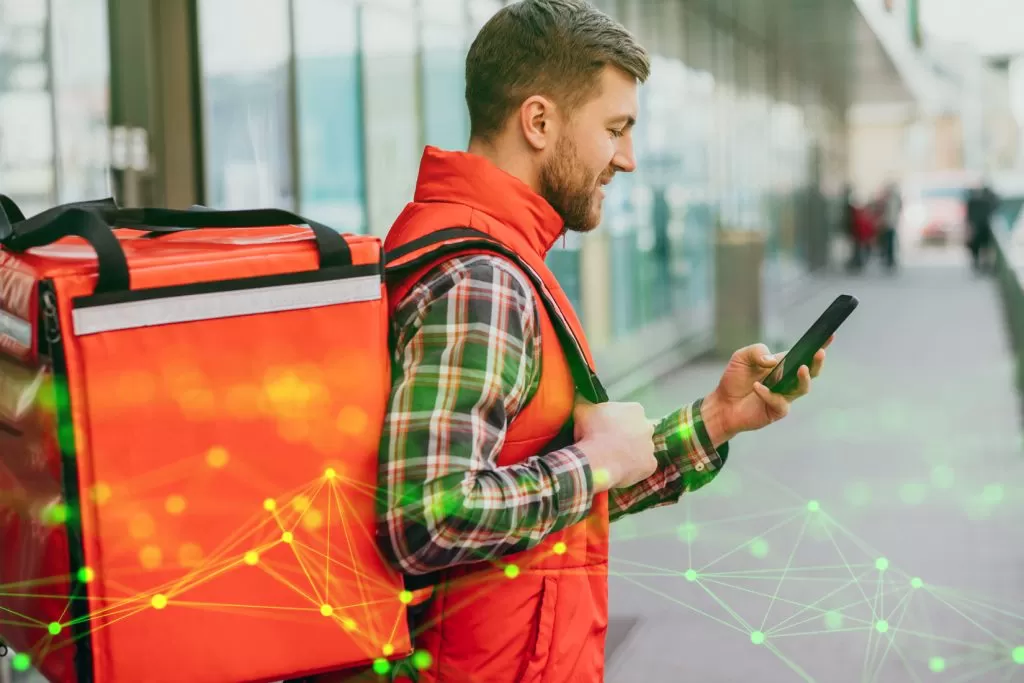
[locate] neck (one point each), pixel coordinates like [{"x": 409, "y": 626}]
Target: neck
[{"x": 512, "y": 161}]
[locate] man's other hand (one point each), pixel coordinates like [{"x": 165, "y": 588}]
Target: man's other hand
[
  {"x": 741, "y": 403},
  {"x": 618, "y": 440}
]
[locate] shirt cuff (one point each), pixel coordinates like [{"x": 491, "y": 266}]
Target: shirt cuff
[
  {"x": 573, "y": 485},
  {"x": 686, "y": 436}
]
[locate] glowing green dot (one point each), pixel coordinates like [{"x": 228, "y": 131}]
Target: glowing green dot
[
  {"x": 881, "y": 625},
  {"x": 913, "y": 493},
  {"x": 942, "y": 477},
  {"x": 813, "y": 506},
  {"x": 55, "y": 514},
  {"x": 691, "y": 574},
  {"x": 54, "y": 628},
  {"x": 881, "y": 564},
  {"x": 21, "y": 662},
  {"x": 937, "y": 664},
  {"x": 381, "y": 666},
  {"x": 600, "y": 477},
  {"x": 1018, "y": 654},
  {"x": 757, "y": 637},
  {"x": 421, "y": 659},
  {"x": 405, "y": 597},
  {"x": 993, "y": 494},
  {"x": 916, "y": 582},
  {"x": 511, "y": 571},
  {"x": 687, "y": 533},
  {"x": 759, "y": 548},
  {"x": 833, "y": 620},
  {"x": 86, "y": 575}
]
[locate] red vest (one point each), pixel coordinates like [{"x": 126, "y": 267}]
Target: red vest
[{"x": 548, "y": 623}]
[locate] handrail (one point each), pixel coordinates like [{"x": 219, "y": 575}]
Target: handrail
[{"x": 1009, "y": 273}]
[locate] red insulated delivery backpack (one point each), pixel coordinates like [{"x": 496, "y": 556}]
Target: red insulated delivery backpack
[{"x": 191, "y": 404}]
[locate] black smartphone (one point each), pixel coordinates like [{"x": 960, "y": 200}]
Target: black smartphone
[{"x": 783, "y": 377}]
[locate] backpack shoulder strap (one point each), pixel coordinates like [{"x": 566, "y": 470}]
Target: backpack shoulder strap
[{"x": 449, "y": 243}]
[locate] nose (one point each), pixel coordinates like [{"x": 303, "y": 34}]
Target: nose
[{"x": 624, "y": 160}]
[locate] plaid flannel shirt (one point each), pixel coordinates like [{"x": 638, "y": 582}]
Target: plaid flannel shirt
[{"x": 465, "y": 363}]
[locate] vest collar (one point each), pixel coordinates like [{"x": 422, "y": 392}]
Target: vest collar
[{"x": 473, "y": 181}]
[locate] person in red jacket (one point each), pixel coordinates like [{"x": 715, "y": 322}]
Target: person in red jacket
[{"x": 478, "y": 492}]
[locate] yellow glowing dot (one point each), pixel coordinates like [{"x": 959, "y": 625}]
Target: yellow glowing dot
[
  {"x": 151, "y": 557},
  {"x": 348, "y": 624},
  {"x": 600, "y": 476},
  {"x": 190, "y": 555},
  {"x": 560, "y": 548},
  {"x": 142, "y": 526},
  {"x": 287, "y": 537},
  {"x": 159, "y": 601},
  {"x": 352, "y": 420},
  {"x": 101, "y": 493},
  {"x": 217, "y": 457},
  {"x": 175, "y": 505},
  {"x": 388, "y": 650},
  {"x": 313, "y": 520},
  {"x": 511, "y": 571},
  {"x": 330, "y": 473},
  {"x": 405, "y": 597},
  {"x": 270, "y": 505},
  {"x": 300, "y": 503},
  {"x": 251, "y": 558},
  {"x": 326, "y": 610}
]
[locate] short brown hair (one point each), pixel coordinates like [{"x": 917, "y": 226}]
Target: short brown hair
[{"x": 555, "y": 48}]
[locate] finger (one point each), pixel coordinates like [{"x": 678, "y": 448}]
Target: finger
[
  {"x": 818, "y": 363},
  {"x": 778, "y": 406},
  {"x": 829, "y": 342},
  {"x": 803, "y": 387},
  {"x": 768, "y": 359},
  {"x": 757, "y": 355}
]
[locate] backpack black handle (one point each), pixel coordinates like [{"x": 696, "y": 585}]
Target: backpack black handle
[{"x": 94, "y": 222}]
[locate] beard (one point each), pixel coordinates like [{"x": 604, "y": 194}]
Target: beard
[{"x": 572, "y": 190}]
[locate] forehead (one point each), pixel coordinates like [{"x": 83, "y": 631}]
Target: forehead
[{"x": 617, "y": 95}]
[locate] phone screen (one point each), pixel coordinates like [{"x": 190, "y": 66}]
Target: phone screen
[{"x": 783, "y": 377}]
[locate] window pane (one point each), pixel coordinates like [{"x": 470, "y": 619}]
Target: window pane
[
  {"x": 445, "y": 43},
  {"x": 26, "y": 107},
  {"x": 245, "y": 103},
  {"x": 81, "y": 67},
  {"x": 392, "y": 116},
  {"x": 330, "y": 113}
]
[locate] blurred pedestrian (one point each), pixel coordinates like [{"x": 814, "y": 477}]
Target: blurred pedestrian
[
  {"x": 981, "y": 204},
  {"x": 890, "y": 208}
]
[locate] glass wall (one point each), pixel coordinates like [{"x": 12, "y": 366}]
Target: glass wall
[
  {"x": 54, "y": 101},
  {"x": 330, "y": 113},
  {"x": 328, "y": 108},
  {"x": 246, "y": 93}
]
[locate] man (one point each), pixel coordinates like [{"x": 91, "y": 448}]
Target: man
[
  {"x": 514, "y": 529},
  {"x": 981, "y": 203},
  {"x": 891, "y": 206}
]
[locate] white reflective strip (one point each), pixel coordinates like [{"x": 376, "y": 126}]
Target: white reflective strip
[{"x": 192, "y": 307}]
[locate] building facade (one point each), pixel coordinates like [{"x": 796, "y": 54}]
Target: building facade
[{"x": 324, "y": 106}]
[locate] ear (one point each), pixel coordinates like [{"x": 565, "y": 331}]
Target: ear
[{"x": 538, "y": 121}]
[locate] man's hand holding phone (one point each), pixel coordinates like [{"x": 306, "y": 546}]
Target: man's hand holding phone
[{"x": 741, "y": 403}]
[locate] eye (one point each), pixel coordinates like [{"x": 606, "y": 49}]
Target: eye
[{"x": 616, "y": 133}]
